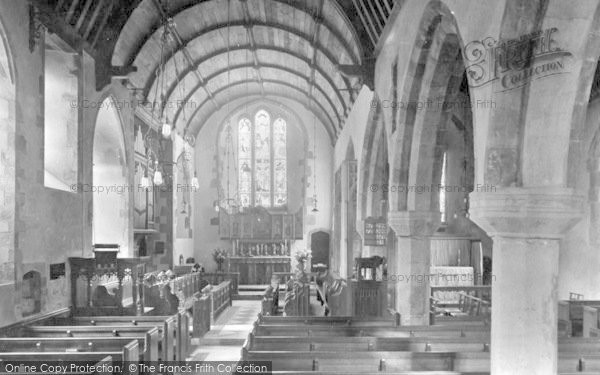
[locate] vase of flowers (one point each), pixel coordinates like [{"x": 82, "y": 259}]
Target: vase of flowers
[
  {"x": 302, "y": 257},
  {"x": 220, "y": 256}
]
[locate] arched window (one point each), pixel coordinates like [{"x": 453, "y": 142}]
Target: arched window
[
  {"x": 443, "y": 189},
  {"x": 262, "y": 161}
]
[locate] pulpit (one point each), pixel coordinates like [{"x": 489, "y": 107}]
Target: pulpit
[
  {"x": 87, "y": 274},
  {"x": 369, "y": 290}
]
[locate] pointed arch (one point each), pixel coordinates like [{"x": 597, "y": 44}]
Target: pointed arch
[{"x": 111, "y": 209}]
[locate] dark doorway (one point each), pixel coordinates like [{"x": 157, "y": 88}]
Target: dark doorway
[{"x": 319, "y": 243}]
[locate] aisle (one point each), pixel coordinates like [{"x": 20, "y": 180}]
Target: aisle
[{"x": 225, "y": 339}]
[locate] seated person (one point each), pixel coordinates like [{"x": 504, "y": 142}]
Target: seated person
[
  {"x": 150, "y": 280},
  {"x": 327, "y": 285},
  {"x": 169, "y": 303},
  {"x": 102, "y": 298},
  {"x": 161, "y": 277},
  {"x": 170, "y": 274}
]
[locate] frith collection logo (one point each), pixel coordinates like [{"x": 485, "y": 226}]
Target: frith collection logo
[{"x": 517, "y": 62}]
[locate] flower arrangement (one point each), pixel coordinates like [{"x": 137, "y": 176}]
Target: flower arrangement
[
  {"x": 302, "y": 256},
  {"x": 220, "y": 255}
]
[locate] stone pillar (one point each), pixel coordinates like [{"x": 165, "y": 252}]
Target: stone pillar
[
  {"x": 526, "y": 226},
  {"x": 413, "y": 229}
]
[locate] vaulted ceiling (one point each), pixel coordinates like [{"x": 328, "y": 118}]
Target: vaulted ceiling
[{"x": 222, "y": 50}]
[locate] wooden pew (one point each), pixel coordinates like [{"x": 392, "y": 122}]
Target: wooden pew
[
  {"x": 564, "y": 320},
  {"x": 148, "y": 349},
  {"x": 371, "y": 361},
  {"x": 470, "y": 309},
  {"x": 270, "y": 301},
  {"x": 402, "y": 331},
  {"x": 181, "y": 334},
  {"x": 576, "y": 314},
  {"x": 221, "y": 298},
  {"x": 376, "y": 321},
  {"x": 127, "y": 354},
  {"x": 201, "y": 314},
  {"x": 166, "y": 341},
  {"x": 413, "y": 344}
]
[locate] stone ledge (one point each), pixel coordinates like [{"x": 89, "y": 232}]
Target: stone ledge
[
  {"x": 527, "y": 212},
  {"x": 414, "y": 223}
]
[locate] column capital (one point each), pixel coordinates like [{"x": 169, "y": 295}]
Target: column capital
[
  {"x": 527, "y": 212},
  {"x": 414, "y": 223}
]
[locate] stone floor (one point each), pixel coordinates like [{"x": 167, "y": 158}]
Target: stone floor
[{"x": 226, "y": 337}]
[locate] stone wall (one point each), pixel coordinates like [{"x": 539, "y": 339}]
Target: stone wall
[{"x": 49, "y": 225}]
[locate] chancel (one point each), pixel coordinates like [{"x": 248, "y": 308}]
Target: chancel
[{"x": 315, "y": 186}]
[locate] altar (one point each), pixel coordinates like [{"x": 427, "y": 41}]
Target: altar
[
  {"x": 257, "y": 270},
  {"x": 261, "y": 242}
]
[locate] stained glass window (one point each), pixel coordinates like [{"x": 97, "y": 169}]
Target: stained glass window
[
  {"x": 262, "y": 161},
  {"x": 245, "y": 161},
  {"x": 279, "y": 163}
]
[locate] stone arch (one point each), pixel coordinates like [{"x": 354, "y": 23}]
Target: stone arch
[
  {"x": 111, "y": 215},
  {"x": 579, "y": 151},
  {"x": 351, "y": 237},
  {"x": 374, "y": 167},
  {"x": 416, "y": 163},
  {"x": 7, "y": 160}
]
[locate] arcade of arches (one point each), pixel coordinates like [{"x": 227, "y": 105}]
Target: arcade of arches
[{"x": 437, "y": 161}]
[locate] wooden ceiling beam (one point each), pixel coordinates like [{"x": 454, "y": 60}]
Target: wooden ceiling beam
[
  {"x": 252, "y": 42},
  {"x": 94, "y": 18},
  {"x": 303, "y": 58},
  {"x": 356, "y": 59},
  {"x": 313, "y": 60},
  {"x": 185, "y": 52},
  {"x": 308, "y": 38},
  {"x": 271, "y": 66},
  {"x": 318, "y": 105},
  {"x": 173, "y": 85}
]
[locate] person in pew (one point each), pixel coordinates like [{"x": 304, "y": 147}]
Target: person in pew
[
  {"x": 169, "y": 303},
  {"x": 102, "y": 298},
  {"x": 327, "y": 284},
  {"x": 170, "y": 274},
  {"x": 161, "y": 277}
]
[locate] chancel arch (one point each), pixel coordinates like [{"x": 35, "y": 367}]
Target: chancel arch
[{"x": 111, "y": 216}]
